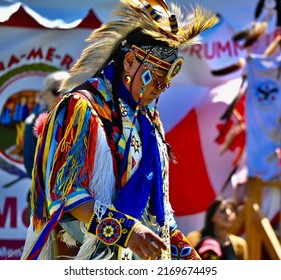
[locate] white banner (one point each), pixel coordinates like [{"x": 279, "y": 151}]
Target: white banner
[
  {"x": 263, "y": 113},
  {"x": 27, "y": 56}
]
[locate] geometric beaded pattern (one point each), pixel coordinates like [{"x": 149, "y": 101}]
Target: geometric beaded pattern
[
  {"x": 109, "y": 230},
  {"x": 114, "y": 228}
]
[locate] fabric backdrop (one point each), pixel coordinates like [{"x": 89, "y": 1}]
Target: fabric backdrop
[{"x": 38, "y": 37}]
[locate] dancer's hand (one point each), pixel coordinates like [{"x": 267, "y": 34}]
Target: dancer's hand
[{"x": 145, "y": 243}]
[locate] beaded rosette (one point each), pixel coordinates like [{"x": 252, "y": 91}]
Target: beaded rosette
[{"x": 113, "y": 228}]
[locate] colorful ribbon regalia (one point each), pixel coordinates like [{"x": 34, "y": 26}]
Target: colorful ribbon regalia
[{"x": 84, "y": 153}]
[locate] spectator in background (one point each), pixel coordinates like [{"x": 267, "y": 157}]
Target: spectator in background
[
  {"x": 215, "y": 240},
  {"x": 47, "y": 98}
]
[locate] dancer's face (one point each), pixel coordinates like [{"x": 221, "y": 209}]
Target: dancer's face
[{"x": 135, "y": 70}]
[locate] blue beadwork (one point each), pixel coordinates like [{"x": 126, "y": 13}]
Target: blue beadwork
[{"x": 146, "y": 77}]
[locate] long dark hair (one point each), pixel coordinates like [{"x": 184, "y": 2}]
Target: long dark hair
[
  {"x": 136, "y": 37},
  {"x": 208, "y": 229}
]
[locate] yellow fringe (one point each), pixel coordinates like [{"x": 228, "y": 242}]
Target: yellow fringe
[
  {"x": 63, "y": 145},
  {"x": 20, "y": 132}
]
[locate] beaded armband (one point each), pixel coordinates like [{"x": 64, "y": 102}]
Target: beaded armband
[{"x": 113, "y": 228}]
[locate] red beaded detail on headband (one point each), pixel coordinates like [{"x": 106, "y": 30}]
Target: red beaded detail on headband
[{"x": 151, "y": 58}]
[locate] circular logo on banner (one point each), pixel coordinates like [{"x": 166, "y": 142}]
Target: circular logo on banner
[
  {"x": 18, "y": 99},
  {"x": 267, "y": 93}
]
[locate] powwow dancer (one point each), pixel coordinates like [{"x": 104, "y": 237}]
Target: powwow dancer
[{"x": 102, "y": 162}]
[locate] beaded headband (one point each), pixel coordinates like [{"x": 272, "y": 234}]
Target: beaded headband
[
  {"x": 149, "y": 58},
  {"x": 155, "y": 62}
]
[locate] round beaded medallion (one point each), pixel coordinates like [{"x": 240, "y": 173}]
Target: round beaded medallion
[{"x": 109, "y": 231}]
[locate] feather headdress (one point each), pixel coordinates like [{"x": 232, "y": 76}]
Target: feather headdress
[{"x": 154, "y": 18}]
